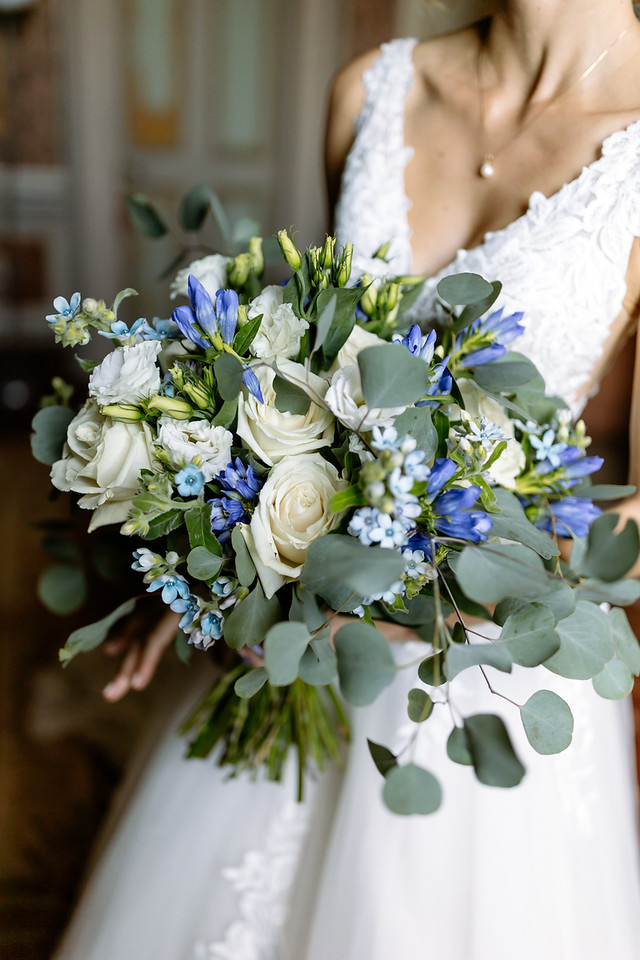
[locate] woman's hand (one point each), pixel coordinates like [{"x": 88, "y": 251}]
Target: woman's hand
[{"x": 141, "y": 645}]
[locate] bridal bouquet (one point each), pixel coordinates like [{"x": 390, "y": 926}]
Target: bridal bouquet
[{"x": 282, "y": 456}]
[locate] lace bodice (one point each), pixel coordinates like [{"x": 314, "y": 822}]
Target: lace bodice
[{"x": 563, "y": 262}]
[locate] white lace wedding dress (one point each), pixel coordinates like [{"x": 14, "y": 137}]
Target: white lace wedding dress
[{"x": 202, "y": 869}]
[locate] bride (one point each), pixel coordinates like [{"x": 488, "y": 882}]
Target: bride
[{"x": 510, "y": 149}]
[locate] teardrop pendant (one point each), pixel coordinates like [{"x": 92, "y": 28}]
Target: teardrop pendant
[{"x": 487, "y": 169}]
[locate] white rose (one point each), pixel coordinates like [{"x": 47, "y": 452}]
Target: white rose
[
  {"x": 345, "y": 399},
  {"x": 292, "y": 512},
  {"x": 271, "y": 434},
  {"x": 280, "y": 330},
  {"x": 186, "y": 439},
  {"x": 102, "y": 460},
  {"x": 359, "y": 339},
  {"x": 512, "y": 460},
  {"x": 127, "y": 374},
  {"x": 210, "y": 271}
]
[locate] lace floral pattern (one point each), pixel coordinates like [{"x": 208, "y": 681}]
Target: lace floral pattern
[
  {"x": 569, "y": 249},
  {"x": 262, "y": 882}
]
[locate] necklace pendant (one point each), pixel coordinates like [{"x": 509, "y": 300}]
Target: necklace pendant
[{"x": 487, "y": 169}]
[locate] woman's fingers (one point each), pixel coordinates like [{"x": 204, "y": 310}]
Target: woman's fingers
[
  {"x": 121, "y": 683},
  {"x": 157, "y": 641}
]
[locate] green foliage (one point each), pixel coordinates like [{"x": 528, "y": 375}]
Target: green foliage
[
  {"x": 615, "y": 681},
  {"x": 548, "y": 722},
  {"x": 417, "y": 423},
  {"x": 198, "y": 521},
  {"x": 194, "y": 208},
  {"x": 245, "y": 568},
  {"x": 621, "y": 592},
  {"x": 144, "y": 216},
  {"x": 610, "y": 555},
  {"x": 89, "y": 637},
  {"x": 62, "y": 588},
  {"x": 338, "y": 566},
  {"x": 335, "y": 322},
  {"x": 365, "y": 663},
  {"x": 248, "y": 685},
  {"x": 283, "y": 648},
  {"x": 461, "y": 289},
  {"x": 505, "y": 373},
  {"x": 461, "y": 656},
  {"x": 202, "y": 564},
  {"x": 457, "y": 747},
  {"x": 391, "y": 376},
  {"x": 420, "y": 705},
  {"x": 586, "y": 643},
  {"x": 512, "y": 524},
  {"x": 246, "y": 335},
  {"x": 251, "y": 619},
  {"x": 494, "y": 759},
  {"x": 290, "y": 398},
  {"x": 319, "y": 664},
  {"x": 625, "y": 641},
  {"x": 491, "y": 573},
  {"x": 383, "y": 758},
  {"x": 529, "y": 635},
  {"x": 50, "y": 433},
  {"x": 475, "y": 310},
  {"x": 411, "y": 789},
  {"x": 433, "y": 670},
  {"x": 228, "y": 371}
]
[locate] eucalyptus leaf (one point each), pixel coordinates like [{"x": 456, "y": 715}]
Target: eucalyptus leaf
[
  {"x": 246, "y": 335},
  {"x": 347, "y": 566},
  {"x": 505, "y": 373},
  {"x": 64, "y": 550},
  {"x": 249, "y": 683},
  {"x": 559, "y": 598},
  {"x": 250, "y": 620},
  {"x": 433, "y": 670},
  {"x": 603, "y": 491},
  {"x": 365, "y": 663},
  {"x": 421, "y": 611},
  {"x": 342, "y": 321},
  {"x": 614, "y": 682},
  {"x": 457, "y": 747},
  {"x": 624, "y": 640},
  {"x": 416, "y": 422},
  {"x": 491, "y": 573},
  {"x": 89, "y": 637},
  {"x": 547, "y": 722},
  {"x": 182, "y": 647},
  {"x": 62, "y": 588},
  {"x": 123, "y": 295},
  {"x": 494, "y": 759},
  {"x": 226, "y": 415},
  {"x": 411, "y": 789},
  {"x": 382, "y": 757},
  {"x": 319, "y": 664},
  {"x": 475, "y": 310},
  {"x": 463, "y": 655},
  {"x": 420, "y": 705},
  {"x": 50, "y": 433},
  {"x": 391, "y": 376},
  {"x": 198, "y": 521},
  {"x": 586, "y": 643},
  {"x": 512, "y": 524},
  {"x": 461, "y": 289},
  {"x": 228, "y": 371},
  {"x": 621, "y": 592},
  {"x": 202, "y": 564},
  {"x": 194, "y": 207},
  {"x": 290, "y": 398},
  {"x": 144, "y": 216},
  {"x": 283, "y": 648},
  {"x": 245, "y": 568},
  {"x": 610, "y": 555},
  {"x": 529, "y": 635}
]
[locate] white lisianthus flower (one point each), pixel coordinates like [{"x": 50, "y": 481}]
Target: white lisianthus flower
[
  {"x": 210, "y": 271},
  {"x": 511, "y": 461},
  {"x": 280, "y": 330},
  {"x": 359, "y": 339},
  {"x": 271, "y": 434},
  {"x": 292, "y": 512},
  {"x": 184, "y": 440},
  {"x": 127, "y": 374},
  {"x": 344, "y": 397},
  {"x": 102, "y": 460}
]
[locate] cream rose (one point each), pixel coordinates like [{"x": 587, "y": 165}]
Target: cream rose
[
  {"x": 292, "y": 511},
  {"x": 210, "y": 271},
  {"x": 359, "y": 339},
  {"x": 127, "y": 374},
  {"x": 184, "y": 440},
  {"x": 271, "y": 434},
  {"x": 280, "y": 330},
  {"x": 512, "y": 460},
  {"x": 102, "y": 460},
  {"x": 344, "y": 397}
]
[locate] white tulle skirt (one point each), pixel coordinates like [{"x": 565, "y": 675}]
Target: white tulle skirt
[{"x": 201, "y": 868}]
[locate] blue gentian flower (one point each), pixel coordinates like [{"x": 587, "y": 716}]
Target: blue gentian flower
[
  {"x": 252, "y": 383},
  {"x": 236, "y": 476},
  {"x": 227, "y": 313},
  {"x": 484, "y": 355},
  {"x": 416, "y": 344},
  {"x": 173, "y": 586},
  {"x": 497, "y": 329},
  {"x": 574, "y": 463},
  {"x": 570, "y": 517},
  {"x": 189, "y": 481},
  {"x": 505, "y": 329},
  {"x": 441, "y": 472},
  {"x": 453, "y": 518},
  {"x": 225, "y": 513},
  {"x": 64, "y": 308}
]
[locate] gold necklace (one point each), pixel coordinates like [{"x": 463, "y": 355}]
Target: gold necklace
[{"x": 487, "y": 167}]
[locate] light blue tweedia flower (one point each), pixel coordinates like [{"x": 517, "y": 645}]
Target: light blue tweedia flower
[
  {"x": 389, "y": 595},
  {"x": 415, "y": 467},
  {"x": 389, "y": 533},
  {"x": 384, "y": 439},
  {"x": 172, "y": 585},
  {"x": 548, "y": 448},
  {"x": 208, "y": 631},
  {"x": 145, "y": 560},
  {"x": 120, "y": 331},
  {"x": 65, "y": 308},
  {"x": 416, "y": 344},
  {"x": 484, "y": 432},
  {"x": 362, "y": 523},
  {"x": 570, "y": 517},
  {"x": 189, "y": 607},
  {"x": 417, "y": 564},
  {"x": 189, "y": 481},
  {"x": 222, "y": 587},
  {"x": 241, "y": 479},
  {"x": 225, "y": 513},
  {"x": 161, "y": 329}
]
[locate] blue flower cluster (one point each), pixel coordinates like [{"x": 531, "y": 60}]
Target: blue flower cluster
[
  {"x": 484, "y": 340},
  {"x": 440, "y": 380},
  {"x": 243, "y": 486}
]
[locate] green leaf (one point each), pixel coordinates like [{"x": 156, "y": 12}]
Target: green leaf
[
  {"x": 341, "y": 323},
  {"x": 610, "y": 555},
  {"x": 433, "y": 671},
  {"x": 491, "y": 573},
  {"x": 50, "y": 432},
  {"x": 182, "y": 647},
  {"x": 548, "y": 722},
  {"x": 62, "y": 588},
  {"x": 559, "y": 598},
  {"x": 494, "y": 759},
  {"x": 586, "y": 643},
  {"x": 319, "y": 664},
  {"x": 290, "y": 398},
  {"x": 420, "y": 705},
  {"x": 343, "y": 561},
  {"x": 382, "y": 757},
  {"x": 63, "y": 550},
  {"x": 620, "y": 592},
  {"x": 89, "y": 637},
  {"x": 365, "y": 663},
  {"x": 505, "y": 373},
  {"x": 624, "y": 640},
  {"x": 144, "y": 216},
  {"x": 391, "y": 376},
  {"x": 245, "y": 568},
  {"x": 420, "y": 611},
  {"x": 417, "y": 423},
  {"x": 246, "y": 335},
  {"x": 249, "y": 683},
  {"x": 529, "y": 635},
  {"x": 228, "y": 371},
  {"x": 464, "y": 288},
  {"x": 475, "y": 310},
  {"x": 123, "y": 295},
  {"x": 226, "y": 415},
  {"x": 251, "y": 619},
  {"x": 198, "y": 520},
  {"x": 512, "y": 524},
  {"x": 464, "y": 655},
  {"x": 614, "y": 682},
  {"x": 164, "y": 524},
  {"x": 202, "y": 564},
  {"x": 457, "y": 748},
  {"x": 603, "y": 491},
  {"x": 410, "y": 789},
  {"x": 283, "y": 648},
  {"x": 85, "y": 364},
  {"x": 194, "y": 208},
  {"x": 327, "y": 303}
]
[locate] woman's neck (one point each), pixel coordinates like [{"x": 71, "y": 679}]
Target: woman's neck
[{"x": 536, "y": 48}]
